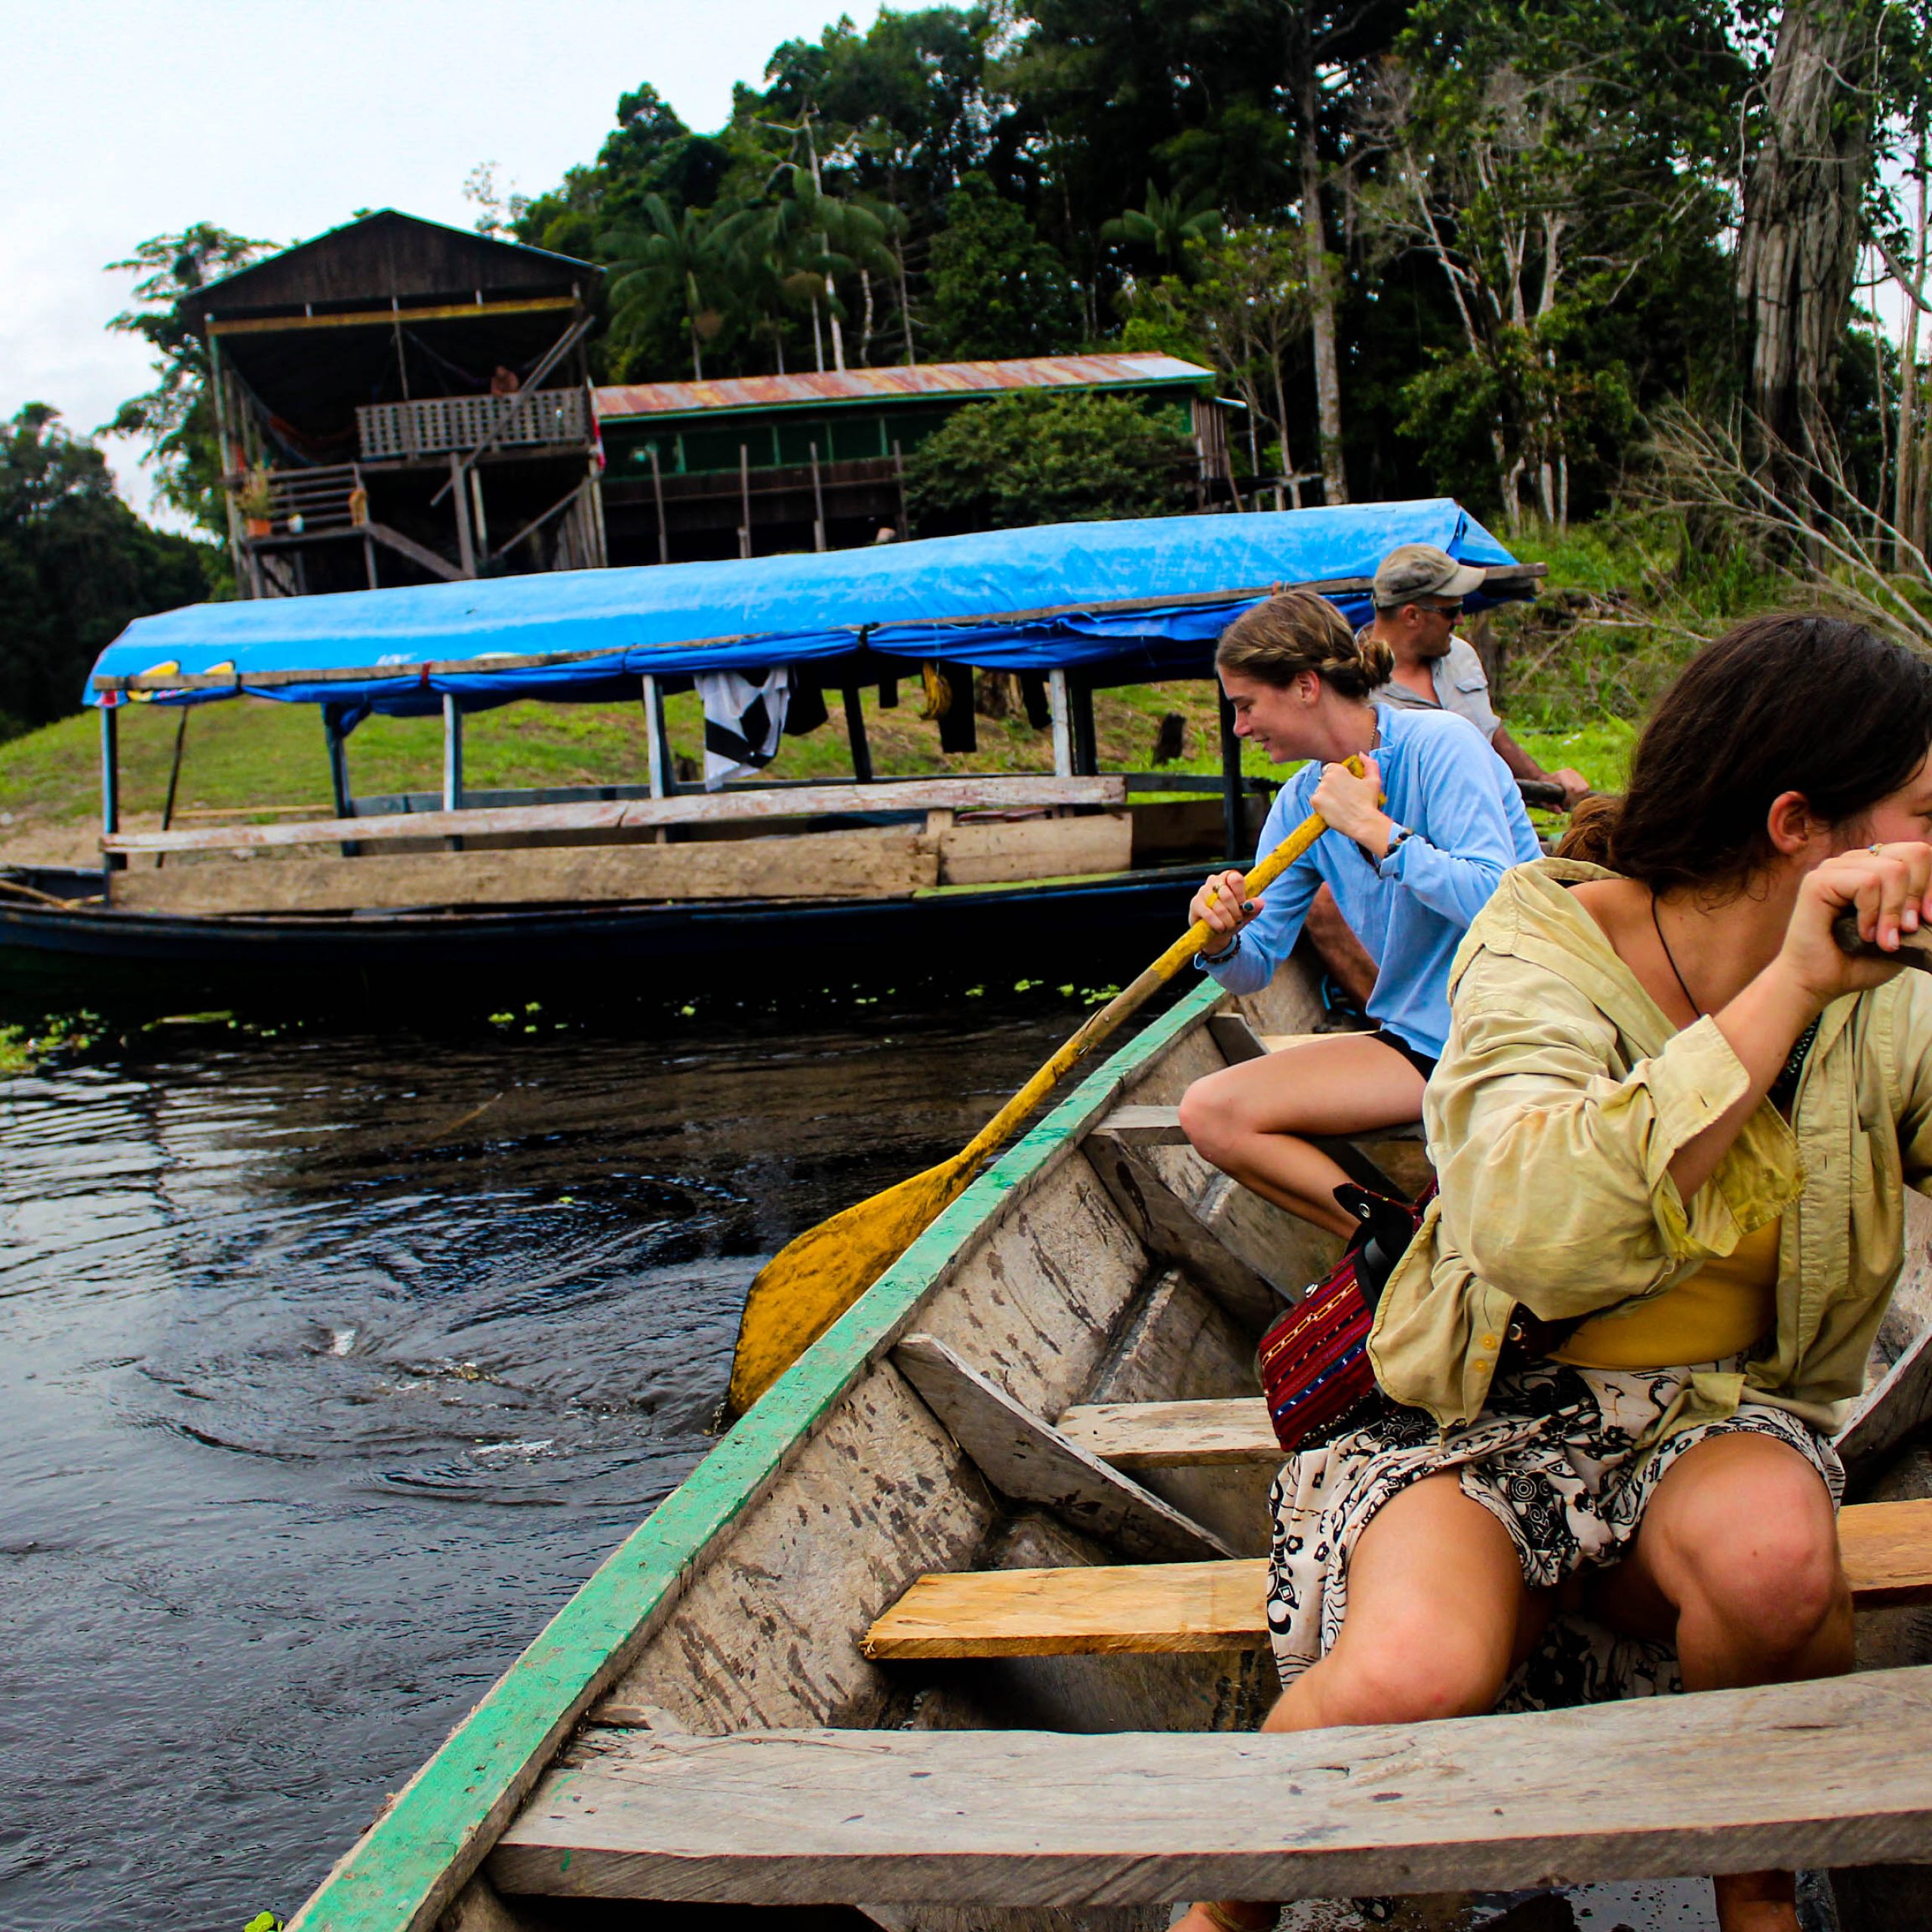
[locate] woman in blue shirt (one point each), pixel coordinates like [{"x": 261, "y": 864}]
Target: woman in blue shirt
[{"x": 1415, "y": 847}]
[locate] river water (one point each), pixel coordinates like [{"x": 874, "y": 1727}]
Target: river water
[{"x": 331, "y": 1361}]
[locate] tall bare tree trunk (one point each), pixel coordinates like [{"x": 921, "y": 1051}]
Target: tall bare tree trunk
[
  {"x": 1798, "y": 249},
  {"x": 1321, "y": 279},
  {"x": 1911, "y": 480}
]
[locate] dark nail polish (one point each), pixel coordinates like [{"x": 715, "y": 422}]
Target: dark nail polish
[{"x": 1247, "y": 905}]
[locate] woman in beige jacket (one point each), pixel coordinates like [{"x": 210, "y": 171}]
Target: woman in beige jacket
[{"x": 1673, "y": 1120}]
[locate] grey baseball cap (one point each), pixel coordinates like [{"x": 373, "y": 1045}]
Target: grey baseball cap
[{"x": 1420, "y": 570}]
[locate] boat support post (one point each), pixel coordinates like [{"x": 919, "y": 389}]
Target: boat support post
[
  {"x": 1057, "y": 697},
  {"x": 336, "y": 739},
  {"x": 855, "y": 735},
  {"x": 656, "y": 745},
  {"x": 1236, "y": 831},
  {"x": 110, "y": 781},
  {"x": 452, "y": 759}
]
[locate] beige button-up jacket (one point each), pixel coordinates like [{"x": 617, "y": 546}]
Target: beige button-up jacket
[{"x": 1560, "y": 1101}]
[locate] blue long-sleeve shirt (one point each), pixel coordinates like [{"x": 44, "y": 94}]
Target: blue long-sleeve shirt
[{"x": 1457, "y": 797}]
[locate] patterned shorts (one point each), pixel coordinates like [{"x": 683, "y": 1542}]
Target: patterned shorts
[{"x": 1565, "y": 1459}]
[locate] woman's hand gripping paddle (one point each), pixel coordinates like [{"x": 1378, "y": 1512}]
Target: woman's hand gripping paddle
[{"x": 809, "y": 1283}]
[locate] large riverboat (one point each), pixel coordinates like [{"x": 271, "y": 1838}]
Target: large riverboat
[
  {"x": 962, "y": 1626},
  {"x": 940, "y": 867}
]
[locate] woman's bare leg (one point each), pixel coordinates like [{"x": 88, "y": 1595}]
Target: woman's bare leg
[
  {"x": 1246, "y": 1119},
  {"x": 1438, "y": 1616},
  {"x": 1737, "y": 1561}
]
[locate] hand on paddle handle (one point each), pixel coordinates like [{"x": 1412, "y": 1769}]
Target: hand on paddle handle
[
  {"x": 1889, "y": 889},
  {"x": 1353, "y": 805},
  {"x": 1222, "y": 902}
]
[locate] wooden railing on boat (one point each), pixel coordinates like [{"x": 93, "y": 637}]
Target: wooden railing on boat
[
  {"x": 747, "y": 805},
  {"x": 612, "y": 849}
]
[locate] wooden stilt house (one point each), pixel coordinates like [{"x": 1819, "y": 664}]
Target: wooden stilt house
[{"x": 399, "y": 402}]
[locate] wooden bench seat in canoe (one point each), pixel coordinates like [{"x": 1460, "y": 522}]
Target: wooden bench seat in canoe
[
  {"x": 1030, "y": 1818},
  {"x": 1174, "y": 1607}
]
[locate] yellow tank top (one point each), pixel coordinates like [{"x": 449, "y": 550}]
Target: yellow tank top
[{"x": 1723, "y": 1309}]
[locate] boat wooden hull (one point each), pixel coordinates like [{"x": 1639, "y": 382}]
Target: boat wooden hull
[
  {"x": 744, "y": 1602},
  {"x": 1102, "y": 925}
]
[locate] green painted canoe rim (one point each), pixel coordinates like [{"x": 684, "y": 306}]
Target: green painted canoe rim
[{"x": 398, "y": 1877}]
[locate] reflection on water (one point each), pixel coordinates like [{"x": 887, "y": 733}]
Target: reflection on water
[{"x": 330, "y": 1365}]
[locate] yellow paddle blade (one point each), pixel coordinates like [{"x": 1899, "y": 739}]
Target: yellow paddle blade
[{"x": 811, "y": 1282}]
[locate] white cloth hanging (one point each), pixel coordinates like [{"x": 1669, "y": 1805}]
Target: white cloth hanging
[{"x": 743, "y": 722}]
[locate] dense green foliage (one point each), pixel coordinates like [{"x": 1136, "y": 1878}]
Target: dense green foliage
[
  {"x": 1035, "y": 456},
  {"x": 76, "y": 565}
]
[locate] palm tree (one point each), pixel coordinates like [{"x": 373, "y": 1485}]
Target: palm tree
[
  {"x": 686, "y": 256},
  {"x": 1165, "y": 224}
]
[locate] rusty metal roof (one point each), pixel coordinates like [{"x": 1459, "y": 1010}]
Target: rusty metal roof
[{"x": 627, "y": 400}]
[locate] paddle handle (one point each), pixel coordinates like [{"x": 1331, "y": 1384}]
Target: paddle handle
[
  {"x": 1915, "y": 948},
  {"x": 1131, "y": 999}
]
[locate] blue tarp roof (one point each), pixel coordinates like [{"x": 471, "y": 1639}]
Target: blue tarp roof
[{"x": 1129, "y": 600}]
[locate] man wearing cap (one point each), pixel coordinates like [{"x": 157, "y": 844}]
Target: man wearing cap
[{"x": 1418, "y": 596}]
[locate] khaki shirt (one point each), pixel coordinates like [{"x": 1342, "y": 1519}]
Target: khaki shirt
[{"x": 1561, "y": 1098}]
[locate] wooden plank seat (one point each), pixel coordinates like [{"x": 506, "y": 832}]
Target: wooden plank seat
[
  {"x": 1162, "y": 1607},
  {"x": 1795, "y": 1774},
  {"x": 1172, "y": 1436},
  {"x": 748, "y": 803}
]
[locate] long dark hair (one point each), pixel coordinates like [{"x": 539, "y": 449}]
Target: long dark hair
[{"x": 1814, "y": 705}]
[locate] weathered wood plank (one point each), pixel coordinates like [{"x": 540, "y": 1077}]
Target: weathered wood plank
[
  {"x": 1895, "y": 1409},
  {"x": 726, "y": 807},
  {"x": 1886, "y": 1549},
  {"x": 1173, "y": 1435},
  {"x": 1159, "y": 1607},
  {"x": 1022, "y": 1457},
  {"x": 990, "y": 854},
  {"x": 1170, "y": 1227},
  {"x": 1145, "y": 1127},
  {"x": 1033, "y": 1818},
  {"x": 820, "y": 865}
]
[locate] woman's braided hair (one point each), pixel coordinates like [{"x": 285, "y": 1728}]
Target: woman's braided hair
[{"x": 1274, "y": 643}]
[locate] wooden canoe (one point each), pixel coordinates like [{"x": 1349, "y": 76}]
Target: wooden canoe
[{"x": 757, "y": 1702}]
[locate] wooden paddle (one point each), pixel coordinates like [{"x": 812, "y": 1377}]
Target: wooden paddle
[{"x": 809, "y": 1283}]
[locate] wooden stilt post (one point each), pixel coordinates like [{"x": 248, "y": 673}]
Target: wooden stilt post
[
  {"x": 744, "y": 500},
  {"x": 476, "y": 503},
  {"x": 899, "y": 474},
  {"x": 1063, "y": 723},
  {"x": 1236, "y": 829},
  {"x": 465, "y": 547},
  {"x": 818, "y": 505},
  {"x": 855, "y": 735},
  {"x": 657, "y": 491},
  {"x": 110, "y": 781}
]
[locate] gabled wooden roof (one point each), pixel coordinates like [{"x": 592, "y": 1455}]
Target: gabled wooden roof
[{"x": 383, "y": 257}]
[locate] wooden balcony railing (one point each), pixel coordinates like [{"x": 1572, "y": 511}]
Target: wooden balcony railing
[{"x": 438, "y": 424}]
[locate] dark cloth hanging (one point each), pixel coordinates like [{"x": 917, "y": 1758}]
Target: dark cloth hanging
[
  {"x": 957, "y": 729},
  {"x": 1033, "y": 694},
  {"x": 807, "y": 711},
  {"x": 888, "y": 694}
]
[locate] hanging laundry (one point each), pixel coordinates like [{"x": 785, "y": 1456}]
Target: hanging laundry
[{"x": 744, "y": 718}]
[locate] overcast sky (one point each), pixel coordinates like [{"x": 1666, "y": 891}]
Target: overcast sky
[{"x": 278, "y": 118}]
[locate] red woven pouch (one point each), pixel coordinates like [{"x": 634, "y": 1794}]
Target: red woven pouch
[{"x": 1315, "y": 1374}]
